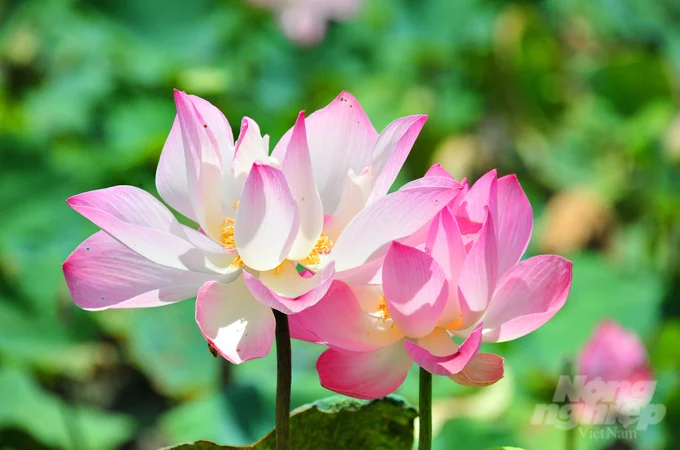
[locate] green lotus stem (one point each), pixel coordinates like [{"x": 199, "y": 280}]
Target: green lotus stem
[
  {"x": 425, "y": 411},
  {"x": 570, "y": 434},
  {"x": 283, "y": 381}
]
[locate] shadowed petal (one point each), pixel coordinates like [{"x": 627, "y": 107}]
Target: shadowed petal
[
  {"x": 297, "y": 167},
  {"x": 266, "y": 220},
  {"x": 479, "y": 272},
  {"x": 515, "y": 221},
  {"x": 172, "y": 173},
  {"x": 366, "y": 375},
  {"x": 239, "y": 327},
  {"x": 439, "y": 355},
  {"x": 481, "y": 199},
  {"x": 415, "y": 289},
  {"x": 289, "y": 292},
  {"x": 340, "y": 138},
  {"x": 445, "y": 244},
  {"x": 204, "y": 164},
  {"x": 368, "y": 236},
  {"x": 483, "y": 370},
  {"x": 339, "y": 321},
  {"x": 250, "y": 148},
  {"x": 391, "y": 151}
]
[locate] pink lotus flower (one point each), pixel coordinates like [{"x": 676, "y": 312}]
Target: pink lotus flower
[
  {"x": 618, "y": 358},
  {"x": 305, "y": 21},
  {"x": 479, "y": 240},
  {"x": 457, "y": 276},
  {"x": 260, "y": 217}
]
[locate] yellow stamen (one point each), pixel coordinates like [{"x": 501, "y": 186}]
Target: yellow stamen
[
  {"x": 227, "y": 230},
  {"x": 322, "y": 247},
  {"x": 237, "y": 262},
  {"x": 456, "y": 323},
  {"x": 278, "y": 269},
  {"x": 235, "y": 205},
  {"x": 227, "y": 238},
  {"x": 382, "y": 309}
]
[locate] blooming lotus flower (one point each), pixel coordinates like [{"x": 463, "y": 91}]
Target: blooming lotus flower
[
  {"x": 478, "y": 240},
  {"x": 459, "y": 275},
  {"x": 376, "y": 332},
  {"x": 615, "y": 355},
  {"x": 260, "y": 216},
  {"x": 305, "y": 21}
]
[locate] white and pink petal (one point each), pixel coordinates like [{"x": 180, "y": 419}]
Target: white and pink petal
[
  {"x": 297, "y": 168},
  {"x": 288, "y": 291},
  {"x": 172, "y": 178},
  {"x": 391, "y": 150},
  {"x": 267, "y": 219},
  {"x": 340, "y": 138},
  {"x": 368, "y": 236},
  {"x": 251, "y": 147},
  {"x": 102, "y": 273},
  {"x": 142, "y": 223}
]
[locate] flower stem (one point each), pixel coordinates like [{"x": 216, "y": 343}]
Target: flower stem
[
  {"x": 425, "y": 411},
  {"x": 283, "y": 381},
  {"x": 570, "y": 434}
]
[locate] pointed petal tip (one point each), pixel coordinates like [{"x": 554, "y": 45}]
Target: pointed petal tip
[
  {"x": 346, "y": 96},
  {"x": 72, "y": 200},
  {"x": 180, "y": 96}
]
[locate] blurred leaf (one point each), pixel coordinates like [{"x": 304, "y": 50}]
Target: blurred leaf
[
  {"x": 341, "y": 423},
  {"x": 208, "y": 417},
  {"x": 306, "y": 387},
  {"x": 465, "y": 433},
  {"x": 47, "y": 418},
  {"x": 631, "y": 80},
  {"x": 137, "y": 130},
  {"x": 43, "y": 343},
  {"x": 665, "y": 352},
  {"x": 168, "y": 346}
]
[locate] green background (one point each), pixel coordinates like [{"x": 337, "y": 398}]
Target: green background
[{"x": 578, "y": 97}]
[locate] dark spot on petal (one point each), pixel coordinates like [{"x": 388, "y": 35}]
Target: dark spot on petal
[
  {"x": 205, "y": 125},
  {"x": 87, "y": 248},
  {"x": 212, "y": 349}
]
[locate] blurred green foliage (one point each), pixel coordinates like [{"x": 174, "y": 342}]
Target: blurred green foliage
[{"x": 578, "y": 97}]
